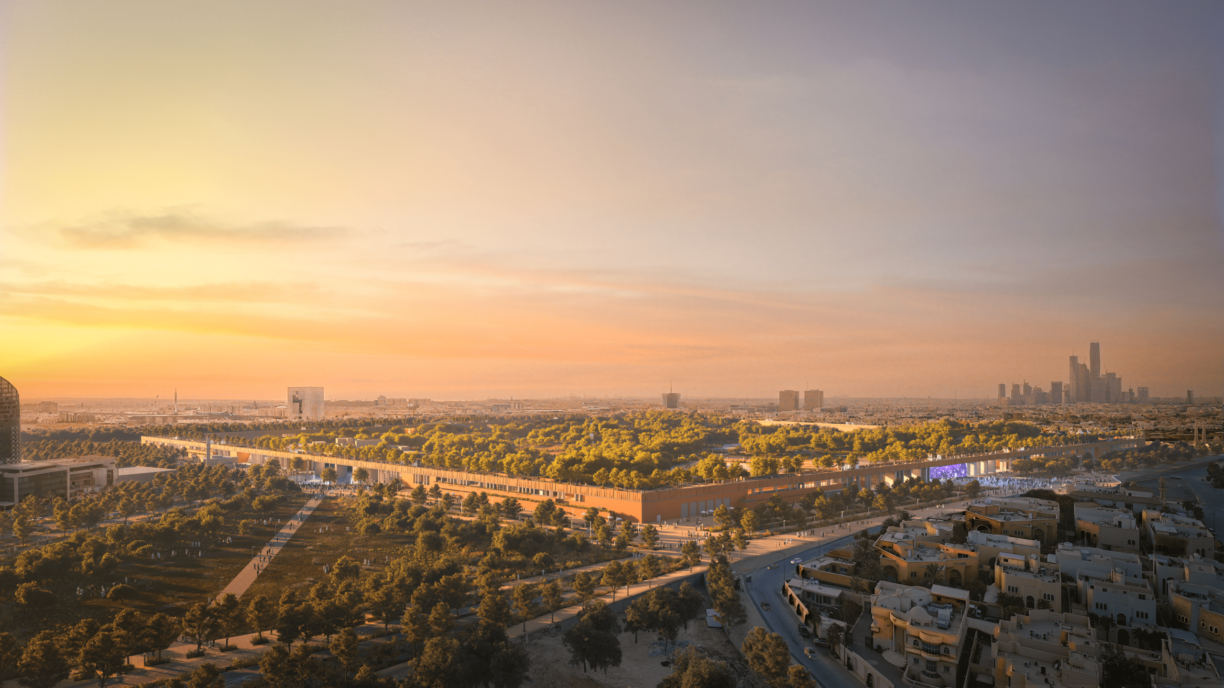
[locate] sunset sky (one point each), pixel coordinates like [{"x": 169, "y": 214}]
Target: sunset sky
[{"x": 461, "y": 200}]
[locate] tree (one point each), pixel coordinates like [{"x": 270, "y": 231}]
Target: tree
[
  {"x": 160, "y": 632},
  {"x": 973, "y": 489},
  {"x": 724, "y": 518},
  {"x": 592, "y": 647},
  {"x": 346, "y": 568},
  {"x": 260, "y": 613},
  {"x": 228, "y": 612},
  {"x": 750, "y": 521},
  {"x": 509, "y": 666},
  {"x": 385, "y": 599},
  {"x": 613, "y": 576},
  {"x": 511, "y": 507},
  {"x": 584, "y": 585},
  {"x": 361, "y": 475},
  {"x": 441, "y": 621},
  {"x": 550, "y": 592},
  {"x": 206, "y": 675},
  {"x": 834, "y": 635},
  {"x": 328, "y": 475},
  {"x": 650, "y": 536},
  {"x": 42, "y": 665},
  {"x": 691, "y": 670},
  {"x": 275, "y": 665},
  {"x": 690, "y": 603},
  {"x": 494, "y": 610},
  {"x": 767, "y": 654},
  {"x": 102, "y": 657},
  {"x": 591, "y": 516},
  {"x": 9, "y": 654},
  {"x": 638, "y": 617},
  {"x": 291, "y": 619},
  {"x": 740, "y": 540},
  {"x": 648, "y": 567},
  {"x": 798, "y": 677},
  {"x": 524, "y": 600},
  {"x": 544, "y": 511},
  {"x": 1010, "y": 604},
  {"x": 1119, "y": 669},
  {"x": 603, "y": 535},
  {"x": 200, "y": 623},
  {"x": 690, "y": 553},
  {"x": 419, "y": 495},
  {"x": 437, "y": 667},
  {"x": 344, "y": 648}
]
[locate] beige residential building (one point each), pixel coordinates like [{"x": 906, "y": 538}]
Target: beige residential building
[
  {"x": 923, "y": 628},
  {"x": 1184, "y": 663},
  {"x": 1194, "y": 569},
  {"x": 1177, "y": 535},
  {"x": 1046, "y": 650},
  {"x": 1198, "y": 609},
  {"x": 1030, "y": 579},
  {"x": 990, "y": 546},
  {"x": 1124, "y": 600},
  {"x": 1073, "y": 559},
  {"x": 1113, "y": 530},
  {"x": 1022, "y": 517},
  {"x": 913, "y": 556}
]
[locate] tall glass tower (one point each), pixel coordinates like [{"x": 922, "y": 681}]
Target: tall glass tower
[{"x": 10, "y": 423}]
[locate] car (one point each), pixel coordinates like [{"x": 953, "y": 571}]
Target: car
[
  {"x": 809, "y": 652},
  {"x": 803, "y": 631},
  {"x": 765, "y": 607},
  {"x": 797, "y": 560},
  {"x": 820, "y": 642}
]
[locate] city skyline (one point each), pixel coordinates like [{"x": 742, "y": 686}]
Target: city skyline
[{"x": 472, "y": 204}]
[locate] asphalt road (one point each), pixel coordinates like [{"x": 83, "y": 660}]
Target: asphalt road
[{"x": 766, "y": 586}]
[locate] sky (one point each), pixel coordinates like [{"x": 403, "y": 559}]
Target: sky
[{"x": 472, "y": 200}]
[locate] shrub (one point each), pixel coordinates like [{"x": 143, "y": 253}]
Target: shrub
[{"x": 121, "y": 592}]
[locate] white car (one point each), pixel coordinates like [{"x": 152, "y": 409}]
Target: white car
[{"x": 797, "y": 560}]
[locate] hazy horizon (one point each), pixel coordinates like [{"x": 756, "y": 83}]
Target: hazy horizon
[{"x": 884, "y": 200}]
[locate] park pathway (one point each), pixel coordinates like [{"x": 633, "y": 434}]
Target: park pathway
[{"x": 251, "y": 571}]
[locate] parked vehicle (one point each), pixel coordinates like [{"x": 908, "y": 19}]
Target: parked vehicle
[
  {"x": 765, "y": 607},
  {"x": 803, "y": 631}
]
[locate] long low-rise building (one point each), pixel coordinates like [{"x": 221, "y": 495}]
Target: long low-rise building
[
  {"x": 661, "y": 504},
  {"x": 64, "y": 478}
]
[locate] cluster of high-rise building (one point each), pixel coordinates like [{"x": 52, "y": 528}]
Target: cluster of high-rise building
[{"x": 1087, "y": 385}]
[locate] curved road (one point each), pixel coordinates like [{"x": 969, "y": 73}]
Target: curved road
[{"x": 766, "y": 586}]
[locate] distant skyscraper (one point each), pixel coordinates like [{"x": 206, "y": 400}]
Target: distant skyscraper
[
  {"x": 788, "y": 400},
  {"x": 1189, "y": 396},
  {"x": 305, "y": 403},
  {"x": 1056, "y": 393},
  {"x": 1073, "y": 379},
  {"x": 1143, "y": 394},
  {"x": 1094, "y": 360},
  {"x": 813, "y": 399},
  {"x": 1002, "y": 390},
  {"x": 10, "y": 423},
  {"x": 1028, "y": 389},
  {"x": 1015, "y": 393},
  {"x": 671, "y": 400}
]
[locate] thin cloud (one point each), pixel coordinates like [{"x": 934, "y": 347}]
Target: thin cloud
[{"x": 129, "y": 230}]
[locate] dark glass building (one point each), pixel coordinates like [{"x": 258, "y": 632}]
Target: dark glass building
[{"x": 10, "y": 423}]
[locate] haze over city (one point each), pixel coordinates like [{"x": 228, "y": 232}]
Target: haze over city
[{"x": 544, "y": 199}]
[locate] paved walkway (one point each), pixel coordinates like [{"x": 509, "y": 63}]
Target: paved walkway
[{"x": 251, "y": 571}]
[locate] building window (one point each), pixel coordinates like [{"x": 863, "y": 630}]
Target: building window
[
  {"x": 1101, "y": 605},
  {"x": 1048, "y": 596},
  {"x": 1013, "y": 589}
]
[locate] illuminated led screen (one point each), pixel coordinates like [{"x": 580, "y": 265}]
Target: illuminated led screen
[{"x": 956, "y": 470}]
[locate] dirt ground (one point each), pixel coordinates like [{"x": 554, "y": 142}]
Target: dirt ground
[{"x": 551, "y": 668}]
